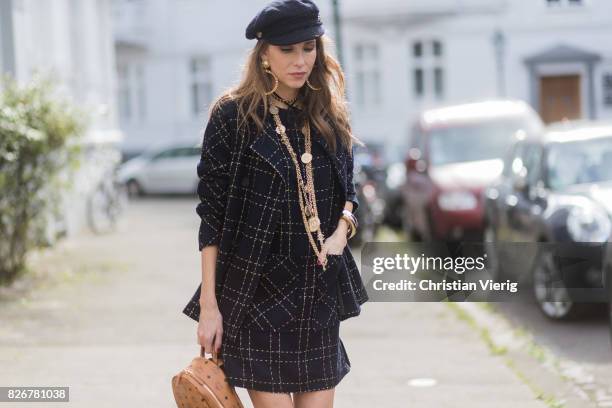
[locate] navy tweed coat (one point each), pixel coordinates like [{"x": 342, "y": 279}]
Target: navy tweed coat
[{"x": 242, "y": 177}]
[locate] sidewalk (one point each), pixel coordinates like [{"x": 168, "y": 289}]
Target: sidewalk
[
  {"x": 111, "y": 328},
  {"x": 394, "y": 343}
]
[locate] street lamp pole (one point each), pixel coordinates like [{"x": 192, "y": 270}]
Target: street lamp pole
[
  {"x": 499, "y": 42},
  {"x": 336, "y": 8}
]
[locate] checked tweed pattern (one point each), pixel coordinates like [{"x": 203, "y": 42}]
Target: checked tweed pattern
[{"x": 243, "y": 176}]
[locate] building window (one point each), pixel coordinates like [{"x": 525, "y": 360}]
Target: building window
[
  {"x": 438, "y": 82},
  {"x": 564, "y": 3},
  {"x": 419, "y": 82},
  {"x": 437, "y": 48},
  {"x": 417, "y": 49},
  {"x": 367, "y": 75},
  {"x": 201, "y": 84},
  {"x": 607, "y": 88},
  {"x": 428, "y": 69},
  {"x": 131, "y": 91},
  {"x": 125, "y": 111}
]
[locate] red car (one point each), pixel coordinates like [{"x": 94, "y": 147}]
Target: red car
[{"x": 455, "y": 153}]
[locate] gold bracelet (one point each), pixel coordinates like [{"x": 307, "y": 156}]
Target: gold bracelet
[
  {"x": 349, "y": 225},
  {"x": 352, "y": 229}
]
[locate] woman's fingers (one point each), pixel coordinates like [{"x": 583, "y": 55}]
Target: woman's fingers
[
  {"x": 218, "y": 338},
  {"x": 322, "y": 255},
  {"x": 208, "y": 344}
]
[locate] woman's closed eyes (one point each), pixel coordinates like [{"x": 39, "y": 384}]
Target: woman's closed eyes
[{"x": 307, "y": 48}]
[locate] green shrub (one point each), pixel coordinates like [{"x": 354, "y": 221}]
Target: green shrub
[{"x": 38, "y": 140}]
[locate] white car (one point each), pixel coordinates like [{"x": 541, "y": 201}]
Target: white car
[{"x": 169, "y": 169}]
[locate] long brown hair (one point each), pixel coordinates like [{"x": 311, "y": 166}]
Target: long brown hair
[{"x": 326, "y": 108}]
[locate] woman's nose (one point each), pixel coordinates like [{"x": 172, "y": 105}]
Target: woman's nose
[{"x": 301, "y": 60}]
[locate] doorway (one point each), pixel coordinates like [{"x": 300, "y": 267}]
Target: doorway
[{"x": 560, "y": 98}]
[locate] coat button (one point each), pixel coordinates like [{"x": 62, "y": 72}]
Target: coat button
[{"x": 244, "y": 182}]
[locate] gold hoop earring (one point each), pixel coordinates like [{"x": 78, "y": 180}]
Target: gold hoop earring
[
  {"x": 266, "y": 67},
  {"x": 312, "y": 87}
]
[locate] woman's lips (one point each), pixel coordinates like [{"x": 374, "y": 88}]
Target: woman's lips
[{"x": 298, "y": 75}]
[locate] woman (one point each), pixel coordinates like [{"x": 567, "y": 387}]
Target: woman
[{"x": 276, "y": 202}]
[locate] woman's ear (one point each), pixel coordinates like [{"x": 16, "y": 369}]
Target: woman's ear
[{"x": 264, "y": 53}]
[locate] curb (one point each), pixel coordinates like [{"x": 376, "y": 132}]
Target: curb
[{"x": 557, "y": 382}]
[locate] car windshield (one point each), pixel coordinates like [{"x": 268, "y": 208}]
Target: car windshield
[
  {"x": 585, "y": 161},
  {"x": 474, "y": 141}
]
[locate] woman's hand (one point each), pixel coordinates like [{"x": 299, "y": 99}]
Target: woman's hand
[
  {"x": 210, "y": 328},
  {"x": 334, "y": 244}
]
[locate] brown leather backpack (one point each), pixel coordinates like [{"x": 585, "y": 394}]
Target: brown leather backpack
[{"x": 203, "y": 384}]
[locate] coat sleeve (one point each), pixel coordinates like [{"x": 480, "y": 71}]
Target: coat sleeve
[
  {"x": 351, "y": 194},
  {"x": 213, "y": 171}
]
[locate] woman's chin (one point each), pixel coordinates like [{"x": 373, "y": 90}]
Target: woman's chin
[{"x": 295, "y": 83}]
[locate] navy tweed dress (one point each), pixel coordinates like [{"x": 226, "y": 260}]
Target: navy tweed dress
[{"x": 289, "y": 339}]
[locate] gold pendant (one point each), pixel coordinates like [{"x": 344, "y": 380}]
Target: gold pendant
[
  {"x": 306, "y": 158},
  {"x": 307, "y": 211},
  {"x": 313, "y": 223}
]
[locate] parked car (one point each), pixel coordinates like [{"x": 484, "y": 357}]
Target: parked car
[
  {"x": 394, "y": 200},
  {"x": 454, "y": 154},
  {"x": 608, "y": 282},
  {"x": 555, "y": 188},
  {"x": 369, "y": 176},
  {"x": 165, "y": 169}
]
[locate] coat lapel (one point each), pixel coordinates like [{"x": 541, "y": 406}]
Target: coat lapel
[
  {"x": 337, "y": 159},
  {"x": 270, "y": 148}
]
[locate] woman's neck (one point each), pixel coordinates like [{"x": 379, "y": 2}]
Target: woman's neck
[{"x": 286, "y": 92}]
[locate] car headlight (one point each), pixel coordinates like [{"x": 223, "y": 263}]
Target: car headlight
[
  {"x": 588, "y": 224},
  {"x": 457, "y": 201}
]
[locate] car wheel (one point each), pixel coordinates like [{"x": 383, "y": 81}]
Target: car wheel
[
  {"x": 493, "y": 263},
  {"x": 550, "y": 291},
  {"x": 609, "y": 284},
  {"x": 610, "y": 315},
  {"x": 134, "y": 189}
]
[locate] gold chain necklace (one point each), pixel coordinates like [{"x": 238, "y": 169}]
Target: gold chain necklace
[{"x": 306, "y": 193}]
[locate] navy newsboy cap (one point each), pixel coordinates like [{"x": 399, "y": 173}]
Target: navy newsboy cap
[{"x": 285, "y": 22}]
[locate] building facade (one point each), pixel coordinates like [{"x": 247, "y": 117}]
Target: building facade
[
  {"x": 71, "y": 41},
  {"x": 407, "y": 56},
  {"x": 399, "y": 57}
]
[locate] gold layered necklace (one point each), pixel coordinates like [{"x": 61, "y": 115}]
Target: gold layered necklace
[{"x": 306, "y": 190}]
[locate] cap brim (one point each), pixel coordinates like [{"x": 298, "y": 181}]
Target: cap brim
[{"x": 298, "y": 36}]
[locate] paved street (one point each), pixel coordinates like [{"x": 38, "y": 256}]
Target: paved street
[
  {"x": 103, "y": 316},
  {"x": 582, "y": 345}
]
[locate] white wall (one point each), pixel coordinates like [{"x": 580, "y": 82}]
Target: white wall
[
  {"x": 470, "y": 64},
  {"x": 175, "y": 31},
  {"x": 71, "y": 40},
  {"x": 171, "y": 32}
]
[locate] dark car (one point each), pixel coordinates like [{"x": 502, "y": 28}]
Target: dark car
[
  {"x": 395, "y": 178},
  {"x": 608, "y": 282},
  {"x": 369, "y": 176},
  {"x": 455, "y": 153},
  {"x": 555, "y": 192}
]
